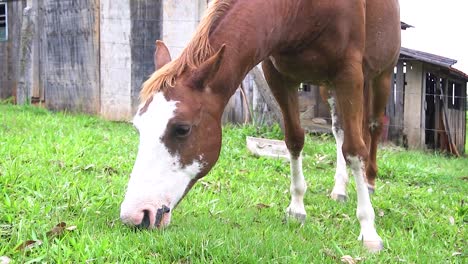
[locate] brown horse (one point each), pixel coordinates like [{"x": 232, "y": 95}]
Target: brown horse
[{"x": 341, "y": 44}]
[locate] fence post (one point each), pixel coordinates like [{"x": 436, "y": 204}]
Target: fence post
[{"x": 23, "y": 93}]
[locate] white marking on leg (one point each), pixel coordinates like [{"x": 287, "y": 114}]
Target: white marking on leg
[
  {"x": 298, "y": 188},
  {"x": 373, "y": 124},
  {"x": 341, "y": 175},
  {"x": 365, "y": 212}
]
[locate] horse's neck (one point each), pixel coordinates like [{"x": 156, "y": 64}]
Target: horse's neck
[{"x": 249, "y": 40}]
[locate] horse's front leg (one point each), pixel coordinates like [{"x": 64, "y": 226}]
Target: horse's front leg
[
  {"x": 285, "y": 92},
  {"x": 349, "y": 94}
]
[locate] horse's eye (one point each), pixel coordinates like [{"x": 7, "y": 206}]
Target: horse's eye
[{"x": 182, "y": 130}]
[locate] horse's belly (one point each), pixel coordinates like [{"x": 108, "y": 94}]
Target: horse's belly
[{"x": 307, "y": 66}]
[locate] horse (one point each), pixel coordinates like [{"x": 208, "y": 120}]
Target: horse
[{"x": 343, "y": 45}]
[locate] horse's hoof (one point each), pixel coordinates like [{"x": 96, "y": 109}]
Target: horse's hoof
[
  {"x": 297, "y": 216},
  {"x": 339, "y": 197},
  {"x": 373, "y": 246}
]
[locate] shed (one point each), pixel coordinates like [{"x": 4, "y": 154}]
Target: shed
[{"x": 433, "y": 95}]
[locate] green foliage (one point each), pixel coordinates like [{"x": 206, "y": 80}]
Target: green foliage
[
  {"x": 7, "y": 101},
  {"x": 57, "y": 167}
]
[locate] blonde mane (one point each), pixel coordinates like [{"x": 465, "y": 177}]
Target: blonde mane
[{"x": 197, "y": 51}]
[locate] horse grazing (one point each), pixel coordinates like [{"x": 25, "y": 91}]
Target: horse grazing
[{"x": 338, "y": 44}]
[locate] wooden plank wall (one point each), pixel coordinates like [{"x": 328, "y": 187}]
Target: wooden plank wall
[
  {"x": 115, "y": 59},
  {"x": 38, "y": 48},
  {"x": 71, "y": 54},
  {"x": 9, "y": 50},
  {"x": 313, "y": 110},
  {"x": 146, "y": 28},
  {"x": 413, "y": 105},
  {"x": 255, "y": 105},
  {"x": 180, "y": 19},
  {"x": 438, "y": 105},
  {"x": 395, "y": 106},
  {"x": 457, "y": 117}
]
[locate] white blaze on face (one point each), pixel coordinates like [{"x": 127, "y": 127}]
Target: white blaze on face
[{"x": 158, "y": 178}]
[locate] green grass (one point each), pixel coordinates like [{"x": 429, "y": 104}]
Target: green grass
[{"x": 58, "y": 167}]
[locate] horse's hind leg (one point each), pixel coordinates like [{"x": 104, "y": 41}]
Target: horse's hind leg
[
  {"x": 285, "y": 93},
  {"x": 349, "y": 93},
  {"x": 341, "y": 175},
  {"x": 380, "y": 92}
]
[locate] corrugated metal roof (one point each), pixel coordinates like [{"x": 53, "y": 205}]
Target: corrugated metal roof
[
  {"x": 404, "y": 26},
  {"x": 427, "y": 57},
  {"x": 459, "y": 73},
  {"x": 432, "y": 59}
]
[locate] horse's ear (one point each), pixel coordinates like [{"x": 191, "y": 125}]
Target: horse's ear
[
  {"x": 208, "y": 69},
  {"x": 161, "y": 55}
]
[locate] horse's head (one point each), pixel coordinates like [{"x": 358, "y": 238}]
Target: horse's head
[{"x": 180, "y": 140}]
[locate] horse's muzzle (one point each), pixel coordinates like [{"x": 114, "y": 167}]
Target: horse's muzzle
[{"x": 147, "y": 217}]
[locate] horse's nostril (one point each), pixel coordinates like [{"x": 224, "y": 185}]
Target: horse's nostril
[
  {"x": 145, "y": 223},
  {"x": 160, "y": 213}
]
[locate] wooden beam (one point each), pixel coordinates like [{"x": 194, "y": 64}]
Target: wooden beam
[
  {"x": 23, "y": 93},
  {"x": 423, "y": 109},
  {"x": 414, "y": 104},
  {"x": 399, "y": 105}
]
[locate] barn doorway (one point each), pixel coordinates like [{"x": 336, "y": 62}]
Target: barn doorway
[{"x": 433, "y": 109}]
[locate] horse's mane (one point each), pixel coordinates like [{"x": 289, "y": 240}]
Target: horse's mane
[{"x": 197, "y": 51}]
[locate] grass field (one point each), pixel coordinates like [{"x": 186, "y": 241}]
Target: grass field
[{"x": 56, "y": 167}]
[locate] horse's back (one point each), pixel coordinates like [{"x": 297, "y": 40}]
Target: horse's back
[{"x": 321, "y": 34}]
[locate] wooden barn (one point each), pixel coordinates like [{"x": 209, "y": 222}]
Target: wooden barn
[
  {"x": 427, "y": 108},
  {"x": 78, "y": 55}
]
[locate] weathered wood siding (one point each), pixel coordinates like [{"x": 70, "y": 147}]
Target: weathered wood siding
[
  {"x": 37, "y": 92},
  {"x": 395, "y": 105},
  {"x": 252, "y": 104},
  {"x": 431, "y": 119},
  {"x": 413, "y": 105},
  {"x": 456, "y": 116},
  {"x": 115, "y": 51},
  {"x": 71, "y": 55},
  {"x": 146, "y": 28},
  {"x": 129, "y": 29},
  {"x": 9, "y": 50},
  {"x": 180, "y": 19}
]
